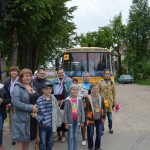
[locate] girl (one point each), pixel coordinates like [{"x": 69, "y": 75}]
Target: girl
[{"x": 73, "y": 116}]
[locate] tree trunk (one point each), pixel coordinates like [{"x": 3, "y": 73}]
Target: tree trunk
[
  {"x": 119, "y": 65},
  {"x": 14, "y": 50}
]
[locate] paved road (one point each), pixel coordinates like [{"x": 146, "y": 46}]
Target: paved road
[{"x": 131, "y": 124}]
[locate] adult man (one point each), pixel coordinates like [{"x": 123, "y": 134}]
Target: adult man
[{"x": 39, "y": 80}]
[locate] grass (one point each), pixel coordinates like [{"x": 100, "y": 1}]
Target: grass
[{"x": 143, "y": 82}]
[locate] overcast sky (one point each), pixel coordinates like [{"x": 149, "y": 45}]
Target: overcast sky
[{"x": 92, "y": 14}]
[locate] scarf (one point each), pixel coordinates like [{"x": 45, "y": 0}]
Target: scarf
[{"x": 59, "y": 87}]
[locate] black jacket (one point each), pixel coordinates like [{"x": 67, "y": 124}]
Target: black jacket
[
  {"x": 38, "y": 85},
  {"x": 3, "y": 104}
]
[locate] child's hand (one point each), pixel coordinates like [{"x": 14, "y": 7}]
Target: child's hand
[
  {"x": 66, "y": 126},
  {"x": 82, "y": 124},
  {"x": 87, "y": 122},
  {"x": 103, "y": 121}
]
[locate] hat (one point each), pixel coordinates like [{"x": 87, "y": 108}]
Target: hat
[
  {"x": 47, "y": 84},
  {"x": 74, "y": 85}
]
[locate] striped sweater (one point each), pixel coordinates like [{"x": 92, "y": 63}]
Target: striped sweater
[{"x": 44, "y": 115}]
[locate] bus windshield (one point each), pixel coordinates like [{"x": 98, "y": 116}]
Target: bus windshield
[{"x": 75, "y": 64}]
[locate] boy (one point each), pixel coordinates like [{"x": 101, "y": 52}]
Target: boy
[
  {"x": 95, "y": 115},
  {"x": 48, "y": 117}
]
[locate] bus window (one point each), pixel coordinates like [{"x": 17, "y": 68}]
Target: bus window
[
  {"x": 75, "y": 64},
  {"x": 98, "y": 62}
]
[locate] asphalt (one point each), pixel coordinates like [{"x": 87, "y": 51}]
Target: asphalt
[{"x": 116, "y": 141}]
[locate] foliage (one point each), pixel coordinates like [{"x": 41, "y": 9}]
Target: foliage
[
  {"x": 138, "y": 35},
  {"x": 43, "y": 27}
]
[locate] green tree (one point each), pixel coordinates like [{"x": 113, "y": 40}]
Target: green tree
[
  {"x": 138, "y": 35},
  {"x": 118, "y": 39},
  {"x": 36, "y": 29}
]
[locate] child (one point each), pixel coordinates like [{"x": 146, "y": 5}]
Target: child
[
  {"x": 48, "y": 117},
  {"x": 73, "y": 116},
  {"x": 95, "y": 115}
]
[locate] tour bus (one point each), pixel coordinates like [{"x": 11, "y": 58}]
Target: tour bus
[{"x": 75, "y": 61}]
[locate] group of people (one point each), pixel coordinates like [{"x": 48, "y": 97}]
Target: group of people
[{"x": 40, "y": 107}]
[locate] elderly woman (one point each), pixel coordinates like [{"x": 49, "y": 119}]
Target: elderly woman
[
  {"x": 21, "y": 100},
  {"x": 61, "y": 89},
  {"x": 107, "y": 91}
]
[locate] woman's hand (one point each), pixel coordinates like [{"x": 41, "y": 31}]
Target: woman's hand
[
  {"x": 35, "y": 108},
  {"x": 1, "y": 100}
]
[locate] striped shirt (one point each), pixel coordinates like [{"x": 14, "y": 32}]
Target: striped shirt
[{"x": 44, "y": 115}]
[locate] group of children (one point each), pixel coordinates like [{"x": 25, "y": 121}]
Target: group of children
[{"x": 76, "y": 114}]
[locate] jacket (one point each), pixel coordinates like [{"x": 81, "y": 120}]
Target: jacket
[
  {"x": 104, "y": 88},
  {"x": 89, "y": 110},
  {"x": 42, "y": 116},
  {"x": 67, "y": 83},
  {"x": 68, "y": 119},
  {"x": 3, "y": 104},
  {"x": 38, "y": 85},
  {"x": 22, "y": 113}
]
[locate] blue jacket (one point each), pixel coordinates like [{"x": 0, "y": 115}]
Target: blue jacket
[
  {"x": 42, "y": 116},
  {"x": 22, "y": 113},
  {"x": 67, "y": 83}
]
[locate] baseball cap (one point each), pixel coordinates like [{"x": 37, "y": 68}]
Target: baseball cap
[{"x": 46, "y": 84}]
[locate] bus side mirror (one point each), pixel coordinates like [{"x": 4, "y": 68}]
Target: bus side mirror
[{"x": 56, "y": 63}]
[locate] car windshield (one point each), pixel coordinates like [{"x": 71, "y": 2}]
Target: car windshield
[{"x": 127, "y": 76}]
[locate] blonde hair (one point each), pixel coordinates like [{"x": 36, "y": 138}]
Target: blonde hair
[{"x": 23, "y": 72}]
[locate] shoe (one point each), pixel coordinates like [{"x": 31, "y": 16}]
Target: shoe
[
  {"x": 83, "y": 143},
  {"x": 13, "y": 143},
  {"x": 98, "y": 148},
  {"x": 56, "y": 138},
  {"x": 63, "y": 139},
  {"x": 111, "y": 131}
]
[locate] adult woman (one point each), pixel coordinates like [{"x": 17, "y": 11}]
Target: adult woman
[
  {"x": 107, "y": 91},
  {"x": 61, "y": 90},
  {"x": 83, "y": 93},
  {"x": 21, "y": 96}
]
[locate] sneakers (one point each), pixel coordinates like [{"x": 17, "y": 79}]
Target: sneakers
[
  {"x": 98, "y": 148},
  {"x": 111, "y": 131},
  {"x": 63, "y": 139},
  {"x": 83, "y": 143},
  {"x": 56, "y": 138},
  {"x": 102, "y": 133}
]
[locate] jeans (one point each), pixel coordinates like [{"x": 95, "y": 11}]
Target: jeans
[
  {"x": 73, "y": 132},
  {"x": 46, "y": 139},
  {"x": 1, "y": 127},
  {"x": 110, "y": 122},
  {"x": 90, "y": 133}
]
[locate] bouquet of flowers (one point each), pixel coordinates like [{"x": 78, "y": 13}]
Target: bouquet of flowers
[{"x": 117, "y": 107}]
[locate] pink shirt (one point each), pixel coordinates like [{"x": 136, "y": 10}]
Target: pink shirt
[{"x": 74, "y": 108}]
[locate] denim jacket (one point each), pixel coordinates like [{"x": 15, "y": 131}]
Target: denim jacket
[{"x": 67, "y": 83}]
